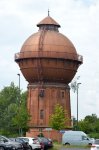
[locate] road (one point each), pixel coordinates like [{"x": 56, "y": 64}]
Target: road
[{"x": 75, "y": 148}]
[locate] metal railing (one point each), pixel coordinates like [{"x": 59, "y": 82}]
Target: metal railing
[{"x": 48, "y": 54}]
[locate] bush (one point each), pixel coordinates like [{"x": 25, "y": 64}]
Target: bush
[{"x": 94, "y": 135}]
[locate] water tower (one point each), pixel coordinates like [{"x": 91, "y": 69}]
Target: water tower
[{"x": 48, "y": 60}]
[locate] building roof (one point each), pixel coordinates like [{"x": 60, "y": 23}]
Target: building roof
[{"x": 48, "y": 20}]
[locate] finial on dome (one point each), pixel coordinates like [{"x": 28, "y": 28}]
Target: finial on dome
[{"x": 48, "y": 12}]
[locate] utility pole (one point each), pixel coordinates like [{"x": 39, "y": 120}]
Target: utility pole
[
  {"x": 19, "y": 88},
  {"x": 77, "y": 102},
  {"x": 75, "y": 87},
  {"x": 20, "y": 129}
]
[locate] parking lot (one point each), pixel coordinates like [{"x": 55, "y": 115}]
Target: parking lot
[{"x": 75, "y": 149}]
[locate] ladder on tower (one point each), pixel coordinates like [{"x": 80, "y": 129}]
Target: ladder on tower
[{"x": 39, "y": 62}]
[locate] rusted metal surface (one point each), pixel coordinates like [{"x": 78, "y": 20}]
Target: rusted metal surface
[
  {"x": 48, "y": 54},
  {"x": 39, "y": 62},
  {"x": 48, "y": 20},
  {"x": 54, "y": 50},
  {"x": 53, "y": 41}
]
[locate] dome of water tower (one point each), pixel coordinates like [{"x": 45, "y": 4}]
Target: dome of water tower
[{"x": 48, "y": 55}]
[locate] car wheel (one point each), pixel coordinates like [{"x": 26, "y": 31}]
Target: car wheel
[
  {"x": 43, "y": 148},
  {"x": 90, "y": 144},
  {"x": 30, "y": 148},
  {"x": 2, "y": 148},
  {"x": 67, "y": 144}
]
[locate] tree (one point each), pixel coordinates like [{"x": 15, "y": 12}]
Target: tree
[
  {"x": 91, "y": 119},
  {"x": 90, "y": 125},
  {"x": 84, "y": 126},
  {"x": 13, "y": 115},
  {"x": 58, "y": 118},
  {"x": 20, "y": 120},
  {"x": 74, "y": 125}
]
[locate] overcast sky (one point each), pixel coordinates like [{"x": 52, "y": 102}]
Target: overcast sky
[{"x": 79, "y": 20}]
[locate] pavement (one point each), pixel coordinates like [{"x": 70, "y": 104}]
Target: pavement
[{"x": 75, "y": 148}]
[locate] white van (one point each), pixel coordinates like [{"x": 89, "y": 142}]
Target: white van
[{"x": 75, "y": 138}]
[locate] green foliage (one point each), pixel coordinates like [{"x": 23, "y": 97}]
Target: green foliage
[
  {"x": 58, "y": 118},
  {"x": 13, "y": 114},
  {"x": 74, "y": 121},
  {"x": 94, "y": 135},
  {"x": 91, "y": 119},
  {"x": 90, "y": 125},
  {"x": 21, "y": 118}
]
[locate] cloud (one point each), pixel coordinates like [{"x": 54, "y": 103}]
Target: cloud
[{"x": 79, "y": 22}]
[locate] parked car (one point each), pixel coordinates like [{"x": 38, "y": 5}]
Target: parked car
[
  {"x": 7, "y": 144},
  {"x": 76, "y": 138},
  {"x": 23, "y": 142},
  {"x": 45, "y": 142},
  {"x": 33, "y": 142},
  {"x": 95, "y": 145}
]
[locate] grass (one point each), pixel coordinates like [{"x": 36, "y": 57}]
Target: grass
[{"x": 57, "y": 146}]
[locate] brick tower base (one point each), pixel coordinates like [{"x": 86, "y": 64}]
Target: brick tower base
[
  {"x": 47, "y": 132},
  {"x": 41, "y": 103}
]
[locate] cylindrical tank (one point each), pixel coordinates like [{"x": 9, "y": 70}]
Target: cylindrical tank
[{"x": 48, "y": 56}]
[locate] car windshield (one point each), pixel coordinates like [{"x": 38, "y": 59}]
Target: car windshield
[
  {"x": 26, "y": 139},
  {"x": 35, "y": 140},
  {"x": 44, "y": 139},
  {"x": 2, "y": 138}
]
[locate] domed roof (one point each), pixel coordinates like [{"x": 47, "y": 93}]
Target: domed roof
[
  {"x": 48, "y": 38},
  {"x": 48, "y": 20},
  {"x": 53, "y": 41},
  {"x": 48, "y": 56}
]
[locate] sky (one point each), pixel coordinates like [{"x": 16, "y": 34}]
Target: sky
[{"x": 79, "y": 20}]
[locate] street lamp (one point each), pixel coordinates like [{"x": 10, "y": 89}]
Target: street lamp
[
  {"x": 77, "y": 102},
  {"x": 20, "y": 129},
  {"x": 19, "y": 88}
]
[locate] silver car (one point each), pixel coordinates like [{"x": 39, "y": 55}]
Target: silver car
[
  {"x": 7, "y": 144},
  {"x": 33, "y": 142}
]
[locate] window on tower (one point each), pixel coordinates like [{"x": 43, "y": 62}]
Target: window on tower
[
  {"x": 41, "y": 114},
  {"x": 48, "y": 27},
  {"x": 41, "y": 93},
  {"x": 62, "y": 94}
]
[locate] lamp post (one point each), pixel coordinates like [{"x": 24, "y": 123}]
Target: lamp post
[
  {"x": 77, "y": 102},
  {"x": 20, "y": 129},
  {"x": 19, "y": 88}
]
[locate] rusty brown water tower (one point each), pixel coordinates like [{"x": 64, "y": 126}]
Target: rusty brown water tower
[{"x": 48, "y": 60}]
